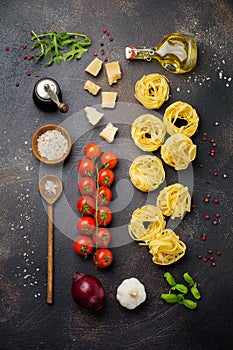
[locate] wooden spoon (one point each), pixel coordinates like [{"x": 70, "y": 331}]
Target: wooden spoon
[{"x": 50, "y": 188}]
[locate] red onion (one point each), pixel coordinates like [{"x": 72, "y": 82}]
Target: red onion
[{"x": 87, "y": 291}]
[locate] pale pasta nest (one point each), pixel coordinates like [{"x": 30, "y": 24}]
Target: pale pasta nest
[
  {"x": 174, "y": 200},
  {"x": 166, "y": 248},
  {"x": 148, "y": 132},
  {"x": 147, "y": 173},
  {"x": 178, "y": 151},
  {"x": 152, "y": 90},
  {"x": 180, "y": 112},
  {"x": 145, "y": 223}
]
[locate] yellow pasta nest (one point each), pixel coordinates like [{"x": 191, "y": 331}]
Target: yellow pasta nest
[
  {"x": 174, "y": 200},
  {"x": 178, "y": 151},
  {"x": 181, "y": 113},
  {"x": 166, "y": 248},
  {"x": 145, "y": 223},
  {"x": 147, "y": 173},
  {"x": 148, "y": 132},
  {"x": 152, "y": 90}
]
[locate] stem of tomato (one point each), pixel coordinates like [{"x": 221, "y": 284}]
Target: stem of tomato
[{"x": 96, "y": 208}]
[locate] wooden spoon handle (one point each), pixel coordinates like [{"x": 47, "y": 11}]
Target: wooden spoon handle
[{"x": 50, "y": 256}]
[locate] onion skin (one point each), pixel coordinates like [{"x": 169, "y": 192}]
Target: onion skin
[{"x": 87, "y": 291}]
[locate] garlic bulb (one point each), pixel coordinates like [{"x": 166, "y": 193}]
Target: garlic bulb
[{"x": 131, "y": 293}]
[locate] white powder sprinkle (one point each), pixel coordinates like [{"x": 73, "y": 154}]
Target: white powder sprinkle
[{"x": 52, "y": 144}]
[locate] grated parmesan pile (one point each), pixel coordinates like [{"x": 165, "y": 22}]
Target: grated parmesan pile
[{"x": 52, "y": 145}]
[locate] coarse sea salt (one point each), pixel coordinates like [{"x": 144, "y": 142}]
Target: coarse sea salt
[
  {"x": 50, "y": 187},
  {"x": 52, "y": 145}
]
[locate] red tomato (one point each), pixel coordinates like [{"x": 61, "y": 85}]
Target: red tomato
[
  {"x": 87, "y": 185},
  {"x": 92, "y": 150},
  {"x": 109, "y": 160},
  {"x": 103, "y": 237},
  {"x": 86, "y": 167},
  {"x": 103, "y": 258},
  {"x": 106, "y": 177},
  {"x": 104, "y": 195},
  {"x": 86, "y": 205},
  {"x": 104, "y": 216},
  {"x": 83, "y": 245},
  {"x": 86, "y": 225}
]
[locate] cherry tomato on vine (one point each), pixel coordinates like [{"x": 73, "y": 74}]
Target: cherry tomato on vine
[
  {"x": 92, "y": 150},
  {"x": 87, "y": 186},
  {"x": 86, "y": 205},
  {"x": 103, "y": 258},
  {"x": 83, "y": 245},
  {"x": 104, "y": 216},
  {"x": 104, "y": 195},
  {"x": 103, "y": 237},
  {"x": 109, "y": 160},
  {"x": 106, "y": 177},
  {"x": 86, "y": 225},
  {"x": 86, "y": 167}
]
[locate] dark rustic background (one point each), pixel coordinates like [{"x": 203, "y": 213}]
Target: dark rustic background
[{"x": 27, "y": 322}]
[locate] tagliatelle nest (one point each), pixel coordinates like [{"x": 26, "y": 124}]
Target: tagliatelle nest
[
  {"x": 152, "y": 90},
  {"x": 148, "y": 132},
  {"x": 174, "y": 200},
  {"x": 145, "y": 223},
  {"x": 178, "y": 151},
  {"x": 183, "y": 113},
  {"x": 147, "y": 172},
  {"x": 166, "y": 248}
]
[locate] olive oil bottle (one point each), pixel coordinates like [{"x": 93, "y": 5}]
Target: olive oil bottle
[{"x": 177, "y": 53}]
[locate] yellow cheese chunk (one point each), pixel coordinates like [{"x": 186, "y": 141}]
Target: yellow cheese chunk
[
  {"x": 113, "y": 72},
  {"x": 108, "y": 99},
  {"x": 93, "y": 115},
  {"x": 109, "y": 132},
  {"x": 94, "y": 67},
  {"x": 92, "y": 87}
]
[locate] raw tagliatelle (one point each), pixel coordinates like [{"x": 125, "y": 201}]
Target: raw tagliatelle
[
  {"x": 145, "y": 223},
  {"x": 178, "y": 151},
  {"x": 148, "y": 132},
  {"x": 180, "y": 118},
  {"x": 166, "y": 248},
  {"x": 147, "y": 173},
  {"x": 174, "y": 200},
  {"x": 152, "y": 90}
]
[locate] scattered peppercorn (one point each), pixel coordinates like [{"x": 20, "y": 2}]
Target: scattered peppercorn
[
  {"x": 24, "y": 47},
  {"x": 25, "y": 57},
  {"x": 7, "y": 49},
  {"x": 213, "y": 264},
  {"x": 216, "y": 201},
  {"x": 29, "y": 73},
  {"x": 17, "y": 84},
  {"x": 215, "y": 222},
  {"x": 207, "y": 217},
  {"x": 218, "y": 252}
]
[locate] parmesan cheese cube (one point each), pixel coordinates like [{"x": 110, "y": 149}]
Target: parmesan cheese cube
[
  {"x": 94, "y": 67},
  {"x": 93, "y": 115},
  {"x": 113, "y": 72},
  {"x": 109, "y": 132},
  {"x": 108, "y": 99},
  {"x": 92, "y": 87}
]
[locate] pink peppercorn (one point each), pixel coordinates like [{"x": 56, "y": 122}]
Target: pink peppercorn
[
  {"x": 28, "y": 73},
  {"x": 212, "y": 140},
  {"x": 218, "y": 252},
  {"x": 216, "y": 201},
  {"x": 200, "y": 165},
  {"x": 17, "y": 84},
  {"x": 213, "y": 264},
  {"x": 214, "y": 144},
  {"x": 25, "y": 57},
  {"x": 217, "y": 215},
  {"x": 104, "y": 30},
  {"x": 205, "y": 259},
  {"x": 215, "y": 173},
  {"x": 7, "y": 49},
  {"x": 211, "y": 258},
  {"x": 105, "y": 59},
  {"x": 95, "y": 53},
  {"x": 37, "y": 75},
  {"x": 207, "y": 217},
  {"x": 111, "y": 38},
  {"x": 208, "y": 196},
  {"x": 206, "y": 200},
  {"x": 203, "y": 238},
  {"x": 210, "y": 251},
  {"x": 215, "y": 222}
]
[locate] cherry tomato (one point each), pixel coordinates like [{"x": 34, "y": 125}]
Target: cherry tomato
[
  {"x": 104, "y": 216},
  {"x": 87, "y": 186},
  {"x": 109, "y": 160},
  {"x": 104, "y": 195},
  {"x": 86, "y": 167},
  {"x": 86, "y": 225},
  {"x": 103, "y": 237},
  {"x": 83, "y": 245},
  {"x": 106, "y": 177},
  {"x": 92, "y": 150},
  {"x": 86, "y": 205},
  {"x": 103, "y": 258}
]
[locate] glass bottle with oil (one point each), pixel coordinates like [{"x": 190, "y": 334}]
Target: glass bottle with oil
[{"x": 177, "y": 53}]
